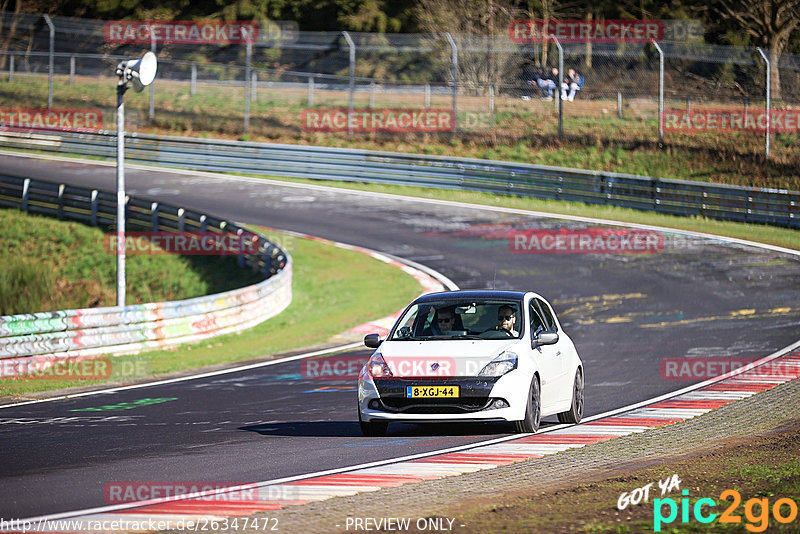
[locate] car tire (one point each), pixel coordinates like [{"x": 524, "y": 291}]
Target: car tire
[
  {"x": 372, "y": 428},
  {"x": 533, "y": 410},
  {"x": 575, "y": 412}
]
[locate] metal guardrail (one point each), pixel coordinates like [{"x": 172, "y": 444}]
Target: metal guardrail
[
  {"x": 676, "y": 197},
  {"x": 114, "y": 330}
]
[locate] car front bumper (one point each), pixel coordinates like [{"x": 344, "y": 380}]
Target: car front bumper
[{"x": 386, "y": 400}]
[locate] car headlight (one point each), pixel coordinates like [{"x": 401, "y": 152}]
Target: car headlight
[
  {"x": 377, "y": 368},
  {"x": 499, "y": 366}
]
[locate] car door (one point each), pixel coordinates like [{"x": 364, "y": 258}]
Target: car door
[
  {"x": 562, "y": 381},
  {"x": 545, "y": 356}
]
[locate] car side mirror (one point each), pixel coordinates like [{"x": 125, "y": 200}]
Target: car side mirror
[
  {"x": 373, "y": 341},
  {"x": 544, "y": 338}
]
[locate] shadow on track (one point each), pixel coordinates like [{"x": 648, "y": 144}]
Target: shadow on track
[{"x": 351, "y": 429}]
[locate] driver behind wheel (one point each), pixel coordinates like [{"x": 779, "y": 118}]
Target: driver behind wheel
[{"x": 506, "y": 319}]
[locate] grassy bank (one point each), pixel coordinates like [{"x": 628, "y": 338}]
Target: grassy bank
[
  {"x": 595, "y": 138},
  {"x": 54, "y": 265},
  {"x": 766, "y": 468},
  {"x": 333, "y": 290}
]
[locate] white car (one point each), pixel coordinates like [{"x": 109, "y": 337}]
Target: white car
[{"x": 472, "y": 356}]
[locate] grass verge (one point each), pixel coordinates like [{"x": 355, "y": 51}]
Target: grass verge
[
  {"x": 595, "y": 138},
  {"x": 333, "y": 290},
  {"x": 55, "y": 265},
  {"x": 766, "y": 468}
]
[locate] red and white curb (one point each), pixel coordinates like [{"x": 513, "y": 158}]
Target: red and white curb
[{"x": 206, "y": 508}]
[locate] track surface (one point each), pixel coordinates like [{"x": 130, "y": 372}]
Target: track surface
[{"x": 625, "y": 313}]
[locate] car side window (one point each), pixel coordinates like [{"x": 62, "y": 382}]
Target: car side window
[
  {"x": 537, "y": 324},
  {"x": 547, "y": 314}
]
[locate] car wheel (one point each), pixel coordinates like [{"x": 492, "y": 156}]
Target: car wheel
[
  {"x": 575, "y": 413},
  {"x": 533, "y": 411},
  {"x": 372, "y": 428}
]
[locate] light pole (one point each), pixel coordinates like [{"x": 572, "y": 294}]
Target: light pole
[{"x": 141, "y": 72}]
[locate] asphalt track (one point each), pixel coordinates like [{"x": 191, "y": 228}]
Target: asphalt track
[{"x": 696, "y": 298}]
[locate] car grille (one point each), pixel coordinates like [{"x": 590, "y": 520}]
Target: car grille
[{"x": 433, "y": 406}]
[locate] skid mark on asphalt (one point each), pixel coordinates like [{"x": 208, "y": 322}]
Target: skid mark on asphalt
[{"x": 748, "y": 313}]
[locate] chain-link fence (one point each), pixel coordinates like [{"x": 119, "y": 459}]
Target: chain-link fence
[{"x": 263, "y": 89}]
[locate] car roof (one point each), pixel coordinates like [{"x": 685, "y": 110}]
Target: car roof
[{"x": 471, "y": 294}]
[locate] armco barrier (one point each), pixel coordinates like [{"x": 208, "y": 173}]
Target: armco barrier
[
  {"x": 677, "y": 197},
  {"x": 115, "y": 330}
]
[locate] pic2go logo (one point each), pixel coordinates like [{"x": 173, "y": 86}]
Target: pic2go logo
[{"x": 756, "y": 511}]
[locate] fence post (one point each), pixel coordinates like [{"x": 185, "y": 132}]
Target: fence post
[
  {"x": 240, "y": 260},
  {"x": 372, "y": 94},
  {"x": 248, "y": 58},
  {"x": 491, "y": 98},
  {"x": 193, "y": 83},
  {"x": 154, "y": 215},
  {"x": 181, "y": 219},
  {"x": 455, "y": 79},
  {"x": 151, "y": 111},
  {"x": 427, "y": 95},
  {"x": 26, "y": 187},
  {"x": 558, "y": 88},
  {"x": 203, "y": 223},
  {"x": 11, "y": 68},
  {"x": 71, "y": 70},
  {"x": 660, "y": 94},
  {"x": 51, "y": 66},
  {"x": 766, "y": 60},
  {"x": 352, "y": 46},
  {"x": 310, "y": 91},
  {"x": 61, "y": 201},
  {"x": 94, "y": 207},
  {"x": 619, "y": 104}
]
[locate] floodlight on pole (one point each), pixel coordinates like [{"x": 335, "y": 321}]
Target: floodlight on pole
[{"x": 141, "y": 73}]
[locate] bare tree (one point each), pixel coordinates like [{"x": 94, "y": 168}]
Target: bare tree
[
  {"x": 770, "y": 22},
  {"x": 10, "y": 21},
  {"x": 480, "y": 29},
  {"x": 548, "y": 10}
]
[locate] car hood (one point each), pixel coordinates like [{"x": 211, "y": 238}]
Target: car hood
[{"x": 431, "y": 359}]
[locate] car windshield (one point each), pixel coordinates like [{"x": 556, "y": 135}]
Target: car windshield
[{"x": 460, "y": 319}]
